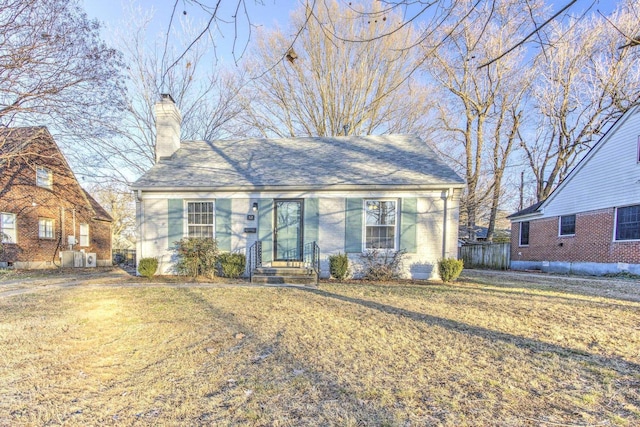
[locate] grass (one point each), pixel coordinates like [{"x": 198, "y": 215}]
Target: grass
[{"x": 477, "y": 352}]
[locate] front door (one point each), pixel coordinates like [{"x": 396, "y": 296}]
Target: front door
[{"x": 287, "y": 236}]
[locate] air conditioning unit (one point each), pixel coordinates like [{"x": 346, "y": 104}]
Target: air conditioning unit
[
  {"x": 90, "y": 259},
  {"x": 67, "y": 258},
  {"x": 78, "y": 259}
]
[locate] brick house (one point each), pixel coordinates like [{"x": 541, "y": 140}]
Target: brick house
[
  {"x": 43, "y": 208},
  {"x": 590, "y": 223},
  {"x": 298, "y": 198}
]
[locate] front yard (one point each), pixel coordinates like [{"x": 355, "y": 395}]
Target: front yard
[{"x": 482, "y": 351}]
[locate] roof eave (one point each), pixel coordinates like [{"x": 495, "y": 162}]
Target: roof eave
[{"x": 260, "y": 188}]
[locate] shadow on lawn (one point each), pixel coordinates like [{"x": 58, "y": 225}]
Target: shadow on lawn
[
  {"x": 617, "y": 364},
  {"x": 560, "y": 284},
  {"x": 331, "y": 390}
]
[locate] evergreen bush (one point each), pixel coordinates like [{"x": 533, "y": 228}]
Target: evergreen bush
[
  {"x": 232, "y": 265},
  {"x": 449, "y": 269},
  {"x": 147, "y": 267},
  {"x": 339, "y": 266}
]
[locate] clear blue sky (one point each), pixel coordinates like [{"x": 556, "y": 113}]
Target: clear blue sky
[{"x": 269, "y": 14}]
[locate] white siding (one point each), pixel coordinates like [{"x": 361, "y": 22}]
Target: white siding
[
  {"x": 153, "y": 225},
  {"x": 609, "y": 176}
]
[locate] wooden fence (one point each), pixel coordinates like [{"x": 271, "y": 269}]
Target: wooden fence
[{"x": 496, "y": 256}]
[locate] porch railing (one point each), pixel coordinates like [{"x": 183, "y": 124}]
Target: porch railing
[
  {"x": 311, "y": 257},
  {"x": 255, "y": 257}
]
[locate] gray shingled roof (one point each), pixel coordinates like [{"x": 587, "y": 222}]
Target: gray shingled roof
[{"x": 321, "y": 162}]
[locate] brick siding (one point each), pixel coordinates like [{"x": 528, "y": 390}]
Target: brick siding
[
  {"x": 18, "y": 192},
  {"x": 593, "y": 241}
]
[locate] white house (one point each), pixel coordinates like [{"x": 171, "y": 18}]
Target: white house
[
  {"x": 591, "y": 222},
  {"x": 343, "y": 194}
]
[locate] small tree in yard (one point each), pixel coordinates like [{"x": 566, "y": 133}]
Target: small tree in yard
[
  {"x": 449, "y": 269},
  {"x": 197, "y": 256}
]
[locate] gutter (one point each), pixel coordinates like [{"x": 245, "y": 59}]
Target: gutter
[{"x": 257, "y": 188}]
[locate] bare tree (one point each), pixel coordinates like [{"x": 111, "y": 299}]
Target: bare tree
[
  {"x": 205, "y": 96},
  {"x": 584, "y": 82},
  {"x": 55, "y": 69},
  {"x": 119, "y": 202},
  {"x": 480, "y": 109},
  {"x": 328, "y": 87}
]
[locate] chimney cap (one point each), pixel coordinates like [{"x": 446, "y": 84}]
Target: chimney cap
[{"x": 168, "y": 96}]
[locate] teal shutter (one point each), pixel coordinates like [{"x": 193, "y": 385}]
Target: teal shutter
[
  {"x": 408, "y": 219},
  {"x": 311, "y": 220},
  {"x": 175, "y": 221},
  {"x": 353, "y": 226},
  {"x": 223, "y": 224},
  {"x": 265, "y": 228}
]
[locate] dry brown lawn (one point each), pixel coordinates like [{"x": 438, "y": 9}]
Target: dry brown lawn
[{"x": 482, "y": 351}]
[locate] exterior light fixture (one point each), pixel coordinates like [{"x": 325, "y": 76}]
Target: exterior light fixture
[{"x": 255, "y": 207}]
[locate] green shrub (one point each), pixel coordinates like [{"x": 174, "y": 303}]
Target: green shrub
[
  {"x": 339, "y": 266},
  {"x": 381, "y": 265},
  {"x": 147, "y": 267},
  {"x": 449, "y": 269},
  {"x": 197, "y": 256},
  {"x": 232, "y": 265}
]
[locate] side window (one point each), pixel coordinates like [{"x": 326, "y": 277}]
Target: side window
[
  {"x": 84, "y": 234},
  {"x": 380, "y": 224},
  {"x": 524, "y": 233},
  {"x": 567, "y": 225},
  {"x": 44, "y": 177},
  {"x": 200, "y": 219},
  {"x": 7, "y": 227},
  {"x": 628, "y": 223},
  {"x": 45, "y": 228}
]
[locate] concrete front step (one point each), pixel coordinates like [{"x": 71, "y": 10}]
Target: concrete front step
[
  {"x": 284, "y": 275},
  {"x": 282, "y": 271},
  {"x": 297, "y": 280},
  {"x": 294, "y": 264}
]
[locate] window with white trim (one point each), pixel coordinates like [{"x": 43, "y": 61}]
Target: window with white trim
[
  {"x": 45, "y": 228},
  {"x": 380, "y": 224},
  {"x": 84, "y": 234},
  {"x": 44, "y": 177},
  {"x": 200, "y": 219},
  {"x": 8, "y": 227},
  {"x": 628, "y": 223},
  {"x": 524, "y": 233},
  {"x": 567, "y": 225}
]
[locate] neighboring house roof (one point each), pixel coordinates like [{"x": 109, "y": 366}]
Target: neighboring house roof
[
  {"x": 538, "y": 209},
  {"x": 526, "y": 211},
  {"x": 390, "y": 161},
  {"x": 16, "y": 143},
  {"x": 101, "y": 213}
]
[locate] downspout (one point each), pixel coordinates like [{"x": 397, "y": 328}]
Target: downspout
[{"x": 445, "y": 224}]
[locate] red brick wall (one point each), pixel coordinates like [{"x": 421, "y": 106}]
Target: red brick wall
[
  {"x": 18, "y": 192},
  {"x": 593, "y": 241}
]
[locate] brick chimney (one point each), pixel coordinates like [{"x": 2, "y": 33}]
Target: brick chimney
[{"x": 168, "y": 121}]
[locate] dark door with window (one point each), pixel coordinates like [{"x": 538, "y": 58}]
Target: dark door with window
[{"x": 287, "y": 236}]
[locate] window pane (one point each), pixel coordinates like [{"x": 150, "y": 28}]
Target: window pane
[
  {"x": 380, "y": 212},
  {"x": 45, "y": 228},
  {"x": 567, "y": 225},
  {"x": 380, "y": 222},
  {"x": 84, "y": 234},
  {"x": 628, "y": 223},
  {"x": 44, "y": 177},
  {"x": 524, "y": 233},
  {"x": 7, "y": 228}
]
